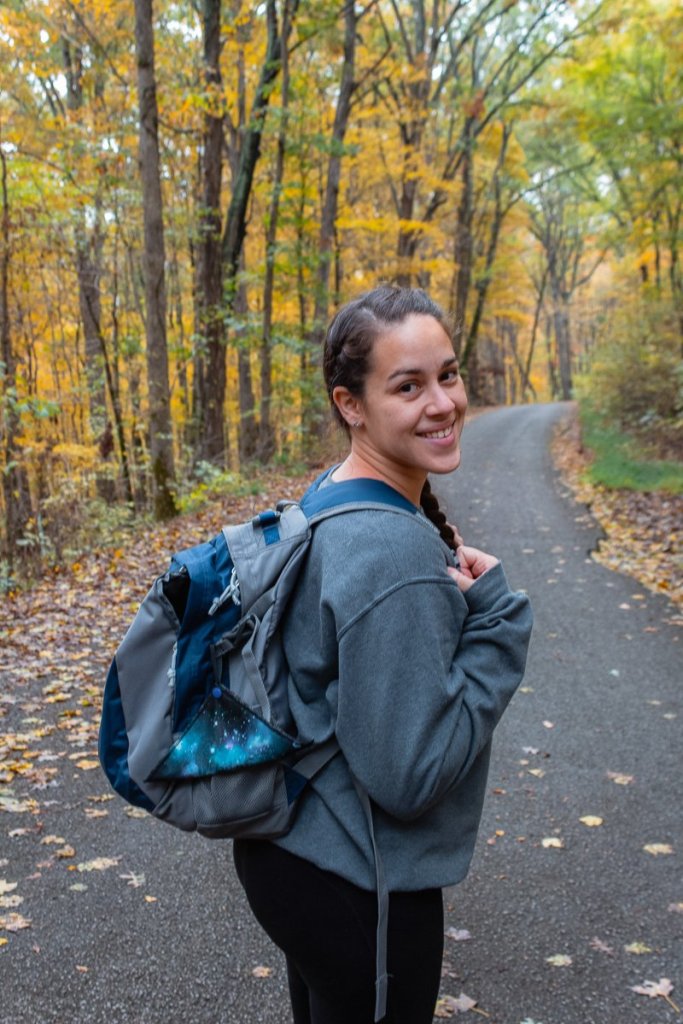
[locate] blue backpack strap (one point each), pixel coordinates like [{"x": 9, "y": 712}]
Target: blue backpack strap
[{"x": 350, "y": 492}]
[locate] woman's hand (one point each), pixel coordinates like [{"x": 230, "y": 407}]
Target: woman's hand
[{"x": 473, "y": 564}]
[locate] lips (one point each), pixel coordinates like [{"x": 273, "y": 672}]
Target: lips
[{"x": 438, "y": 435}]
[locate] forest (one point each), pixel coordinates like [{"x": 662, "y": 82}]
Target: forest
[{"x": 188, "y": 190}]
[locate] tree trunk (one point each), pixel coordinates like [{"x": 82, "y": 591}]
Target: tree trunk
[
  {"x": 248, "y": 427},
  {"x": 210, "y": 367},
  {"x": 463, "y": 251},
  {"x": 331, "y": 200},
  {"x": 563, "y": 342},
  {"x": 160, "y": 432},
  {"x": 89, "y": 272},
  {"x": 315, "y": 419},
  {"x": 234, "y": 234},
  {"x": 14, "y": 480},
  {"x": 266, "y": 440}
]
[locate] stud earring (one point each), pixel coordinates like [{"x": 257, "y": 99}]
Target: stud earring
[{"x": 356, "y": 424}]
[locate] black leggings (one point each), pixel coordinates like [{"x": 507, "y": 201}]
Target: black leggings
[{"x": 326, "y": 928}]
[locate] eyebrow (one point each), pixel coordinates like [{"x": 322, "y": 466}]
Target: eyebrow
[{"x": 417, "y": 372}]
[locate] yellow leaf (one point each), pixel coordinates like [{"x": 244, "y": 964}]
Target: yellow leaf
[
  {"x": 87, "y": 764},
  {"x": 99, "y": 864},
  {"x": 7, "y": 886},
  {"x": 591, "y": 820},
  {"x": 14, "y": 922},
  {"x": 50, "y": 840},
  {"x": 65, "y": 852},
  {"x": 559, "y": 960},
  {"x": 552, "y": 843},
  {"x": 11, "y": 902},
  {"x": 658, "y": 849}
]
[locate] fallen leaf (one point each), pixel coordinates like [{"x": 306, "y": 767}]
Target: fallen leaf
[
  {"x": 591, "y": 820},
  {"x": 87, "y": 764},
  {"x": 449, "y": 1006},
  {"x": 151, "y": 899},
  {"x": 65, "y": 852},
  {"x": 136, "y": 812},
  {"x": 552, "y": 843},
  {"x": 7, "y": 886},
  {"x": 663, "y": 988},
  {"x": 14, "y": 922},
  {"x": 11, "y": 902},
  {"x": 549, "y": 725},
  {"x": 675, "y": 908},
  {"x": 537, "y": 772},
  {"x": 78, "y": 887},
  {"x": 658, "y": 849},
  {"x": 93, "y": 812},
  {"x": 99, "y": 864},
  {"x": 14, "y": 806},
  {"x": 458, "y": 934},
  {"x": 262, "y": 972},
  {"x": 559, "y": 960},
  {"x": 3, "y": 942},
  {"x": 602, "y": 947},
  {"x": 82, "y": 969},
  {"x": 49, "y": 840},
  {"x": 639, "y": 948},
  {"x": 134, "y": 879},
  {"x": 620, "y": 778}
]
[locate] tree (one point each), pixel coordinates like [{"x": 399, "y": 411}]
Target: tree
[
  {"x": 160, "y": 432},
  {"x": 14, "y": 479}
]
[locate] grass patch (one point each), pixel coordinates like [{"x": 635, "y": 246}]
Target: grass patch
[{"x": 620, "y": 461}]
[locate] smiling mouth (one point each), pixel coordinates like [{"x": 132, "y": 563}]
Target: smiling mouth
[{"x": 438, "y": 435}]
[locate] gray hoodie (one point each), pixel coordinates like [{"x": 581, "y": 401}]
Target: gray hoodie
[{"x": 413, "y": 676}]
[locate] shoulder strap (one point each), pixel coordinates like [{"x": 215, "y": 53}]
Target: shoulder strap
[{"x": 362, "y": 492}]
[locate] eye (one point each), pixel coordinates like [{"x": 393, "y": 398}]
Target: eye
[
  {"x": 409, "y": 387},
  {"x": 450, "y": 376}
]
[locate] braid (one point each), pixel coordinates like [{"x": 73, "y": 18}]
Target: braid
[{"x": 430, "y": 507}]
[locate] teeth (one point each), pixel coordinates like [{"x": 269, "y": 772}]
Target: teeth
[{"x": 439, "y": 433}]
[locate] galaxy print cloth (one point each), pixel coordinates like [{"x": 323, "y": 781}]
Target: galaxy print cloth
[{"x": 225, "y": 734}]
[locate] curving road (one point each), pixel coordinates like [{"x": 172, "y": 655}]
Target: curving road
[{"x": 593, "y": 733}]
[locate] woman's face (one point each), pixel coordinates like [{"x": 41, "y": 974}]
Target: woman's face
[{"x": 413, "y": 409}]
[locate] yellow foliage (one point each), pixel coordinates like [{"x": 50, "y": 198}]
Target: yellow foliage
[{"x": 79, "y": 456}]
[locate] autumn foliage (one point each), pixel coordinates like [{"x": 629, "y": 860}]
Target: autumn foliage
[{"x": 187, "y": 191}]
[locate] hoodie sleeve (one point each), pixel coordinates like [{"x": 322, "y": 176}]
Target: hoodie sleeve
[{"x": 425, "y": 673}]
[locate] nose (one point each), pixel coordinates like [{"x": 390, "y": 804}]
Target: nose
[{"x": 440, "y": 402}]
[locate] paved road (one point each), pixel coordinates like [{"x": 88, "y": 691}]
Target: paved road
[{"x": 601, "y": 696}]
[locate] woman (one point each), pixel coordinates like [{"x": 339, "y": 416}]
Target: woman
[{"x": 410, "y": 657}]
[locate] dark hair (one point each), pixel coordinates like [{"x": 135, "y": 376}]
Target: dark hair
[{"x": 347, "y": 355}]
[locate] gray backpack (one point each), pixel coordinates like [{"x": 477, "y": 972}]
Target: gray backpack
[{"x": 196, "y": 726}]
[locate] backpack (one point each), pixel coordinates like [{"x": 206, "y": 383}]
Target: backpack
[{"x": 196, "y": 727}]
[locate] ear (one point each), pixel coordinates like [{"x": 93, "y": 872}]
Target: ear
[{"x": 350, "y": 407}]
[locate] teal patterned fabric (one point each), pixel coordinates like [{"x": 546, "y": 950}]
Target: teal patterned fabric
[{"x": 224, "y": 735}]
